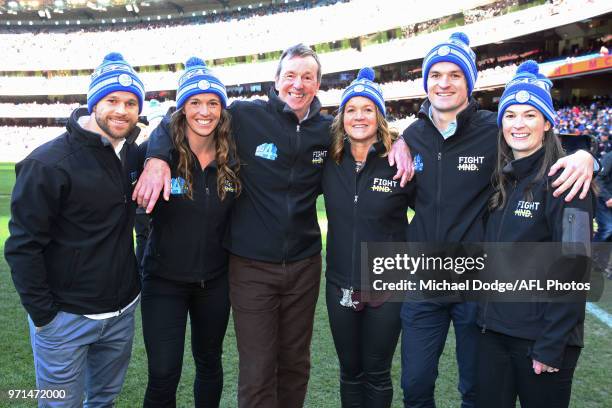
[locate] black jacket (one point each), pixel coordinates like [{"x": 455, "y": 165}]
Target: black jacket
[
  {"x": 552, "y": 326},
  {"x": 274, "y": 219},
  {"x": 71, "y": 244},
  {"x": 368, "y": 206},
  {"x": 453, "y": 176},
  {"x": 604, "y": 177},
  {"x": 185, "y": 243}
]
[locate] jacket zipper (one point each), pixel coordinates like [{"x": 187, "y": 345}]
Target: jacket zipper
[
  {"x": 499, "y": 232},
  {"x": 570, "y": 220},
  {"x": 119, "y": 167},
  {"x": 206, "y": 211},
  {"x": 355, "y": 201},
  {"x": 438, "y": 195},
  {"x": 358, "y": 175},
  {"x": 297, "y": 149}
]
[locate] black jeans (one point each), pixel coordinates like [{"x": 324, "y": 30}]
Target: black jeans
[
  {"x": 505, "y": 371},
  {"x": 365, "y": 342},
  {"x": 165, "y": 305}
]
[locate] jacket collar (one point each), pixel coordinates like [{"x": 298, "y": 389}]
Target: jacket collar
[
  {"x": 377, "y": 148},
  {"x": 91, "y": 138},
  {"x": 463, "y": 117},
  {"x": 279, "y": 105},
  {"x": 521, "y": 168}
]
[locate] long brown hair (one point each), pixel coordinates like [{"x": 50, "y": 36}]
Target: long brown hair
[
  {"x": 552, "y": 152},
  {"x": 384, "y": 133},
  {"x": 225, "y": 154}
]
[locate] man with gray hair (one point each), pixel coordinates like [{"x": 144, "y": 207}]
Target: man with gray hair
[{"x": 274, "y": 238}]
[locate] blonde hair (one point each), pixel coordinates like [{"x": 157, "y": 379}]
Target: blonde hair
[{"x": 384, "y": 133}]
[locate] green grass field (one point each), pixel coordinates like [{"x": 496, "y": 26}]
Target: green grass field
[{"x": 591, "y": 381}]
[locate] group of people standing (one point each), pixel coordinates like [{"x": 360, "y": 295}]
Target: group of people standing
[{"x": 237, "y": 226}]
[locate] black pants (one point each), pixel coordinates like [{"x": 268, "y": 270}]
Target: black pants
[
  {"x": 165, "y": 305},
  {"x": 505, "y": 371},
  {"x": 365, "y": 342}
]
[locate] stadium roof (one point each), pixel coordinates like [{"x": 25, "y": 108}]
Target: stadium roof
[{"x": 46, "y": 11}]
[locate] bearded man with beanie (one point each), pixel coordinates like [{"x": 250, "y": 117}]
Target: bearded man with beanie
[
  {"x": 71, "y": 249},
  {"x": 454, "y": 148}
]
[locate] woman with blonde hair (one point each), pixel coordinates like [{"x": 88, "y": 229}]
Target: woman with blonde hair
[{"x": 363, "y": 203}]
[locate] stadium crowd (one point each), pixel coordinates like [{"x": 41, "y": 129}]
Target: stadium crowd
[
  {"x": 248, "y": 37},
  {"x": 588, "y": 118},
  {"x": 204, "y": 17},
  {"x": 16, "y": 142},
  {"x": 583, "y": 117},
  {"x": 488, "y": 11}
]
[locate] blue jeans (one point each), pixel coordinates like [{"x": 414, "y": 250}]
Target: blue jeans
[
  {"x": 424, "y": 330},
  {"x": 85, "y": 358}
]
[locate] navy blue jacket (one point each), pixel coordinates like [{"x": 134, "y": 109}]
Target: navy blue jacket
[
  {"x": 368, "y": 206},
  {"x": 453, "y": 176},
  {"x": 185, "y": 242},
  {"x": 274, "y": 219},
  {"x": 552, "y": 326},
  {"x": 71, "y": 244}
]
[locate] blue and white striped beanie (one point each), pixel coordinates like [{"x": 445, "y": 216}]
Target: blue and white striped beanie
[
  {"x": 456, "y": 50},
  {"x": 198, "y": 79},
  {"x": 364, "y": 86},
  {"x": 114, "y": 74},
  {"x": 528, "y": 87}
]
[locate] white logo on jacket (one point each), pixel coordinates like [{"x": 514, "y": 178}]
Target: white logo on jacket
[
  {"x": 526, "y": 209},
  {"x": 318, "y": 156},
  {"x": 469, "y": 163},
  {"x": 383, "y": 185}
]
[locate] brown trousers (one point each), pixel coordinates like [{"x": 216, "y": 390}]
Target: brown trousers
[{"x": 273, "y": 309}]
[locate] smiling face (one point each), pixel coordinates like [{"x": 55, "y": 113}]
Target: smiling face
[
  {"x": 116, "y": 115},
  {"x": 523, "y": 127},
  {"x": 297, "y": 83},
  {"x": 359, "y": 120},
  {"x": 203, "y": 112},
  {"x": 447, "y": 88}
]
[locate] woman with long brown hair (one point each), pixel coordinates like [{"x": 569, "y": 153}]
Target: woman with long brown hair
[
  {"x": 530, "y": 350},
  {"x": 363, "y": 203},
  {"x": 185, "y": 265}
]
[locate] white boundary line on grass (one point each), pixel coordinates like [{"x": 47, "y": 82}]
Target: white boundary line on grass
[{"x": 599, "y": 313}]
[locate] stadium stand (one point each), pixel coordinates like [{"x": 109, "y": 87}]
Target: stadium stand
[
  {"x": 28, "y": 71},
  {"x": 588, "y": 118},
  {"x": 39, "y": 55}
]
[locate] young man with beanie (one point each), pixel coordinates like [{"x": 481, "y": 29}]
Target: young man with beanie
[
  {"x": 454, "y": 146},
  {"x": 274, "y": 238},
  {"x": 71, "y": 249}
]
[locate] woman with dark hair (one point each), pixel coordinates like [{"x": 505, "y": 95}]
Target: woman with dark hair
[
  {"x": 530, "y": 350},
  {"x": 363, "y": 203},
  {"x": 185, "y": 265}
]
